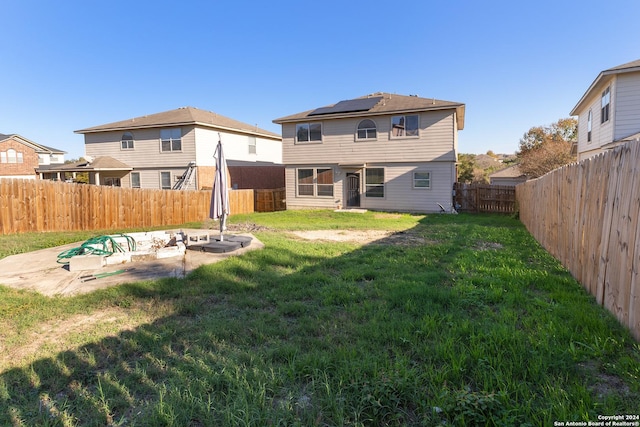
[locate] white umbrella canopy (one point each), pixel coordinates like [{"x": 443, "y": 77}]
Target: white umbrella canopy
[{"x": 220, "y": 196}]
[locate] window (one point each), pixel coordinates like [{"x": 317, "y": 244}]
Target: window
[
  {"x": 404, "y": 125},
  {"x": 113, "y": 182},
  {"x": 374, "y": 182},
  {"x": 367, "y": 130},
  {"x": 165, "y": 180},
  {"x": 171, "y": 139},
  {"x": 309, "y": 132},
  {"x": 3, "y": 157},
  {"x": 422, "y": 180},
  {"x": 126, "y": 142},
  {"x": 252, "y": 145},
  {"x": 589, "y": 123},
  {"x": 315, "y": 182},
  {"x": 135, "y": 179},
  {"x": 325, "y": 182},
  {"x": 605, "y": 102}
]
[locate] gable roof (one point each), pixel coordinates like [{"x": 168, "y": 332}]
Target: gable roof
[
  {"x": 603, "y": 79},
  {"x": 101, "y": 163},
  {"x": 38, "y": 148},
  {"x": 182, "y": 117},
  {"x": 386, "y": 103},
  {"x": 510, "y": 172}
]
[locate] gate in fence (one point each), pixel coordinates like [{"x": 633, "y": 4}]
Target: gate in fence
[{"x": 484, "y": 198}]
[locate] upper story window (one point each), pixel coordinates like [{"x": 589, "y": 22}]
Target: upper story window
[
  {"x": 406, "y": 125},
  {"x": 589, "y": 125},
  {"x": 308, "y": 132},
  {"x": 171, "y": 139},
  {"x": 11, "y": 156},
  {"x": 367, "y": 130},
  {"x": 605, "y": 103},
  {"x": 126, "y": 142},
  {"x": 252, "y": 145}
]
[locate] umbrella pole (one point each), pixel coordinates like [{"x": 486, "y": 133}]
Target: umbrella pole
[{"x": 222, "y": 226}]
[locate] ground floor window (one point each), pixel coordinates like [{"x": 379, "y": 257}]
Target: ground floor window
[
  {"x": 315, "y": 182},
  {"x": 165, "y": 180},
  {"x": 422, "y": 180},
  {"x": 374, "y": 182},
  {"x": 135, "y": 179},
  {"x": 113, "y": 182}
]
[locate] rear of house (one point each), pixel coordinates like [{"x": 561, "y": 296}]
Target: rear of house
[
  {"x": 157, "y": 150},
  {"x": 609, "y": 111},
  {"x": 381, "y": 152}
]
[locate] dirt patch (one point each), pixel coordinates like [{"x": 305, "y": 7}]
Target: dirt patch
[
  {"x": 382, "y": 237},
  {"x": 56, "y": 335},
  {"x": 487, "y": 246}
]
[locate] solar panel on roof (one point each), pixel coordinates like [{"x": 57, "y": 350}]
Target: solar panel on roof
[{"x": 349, "y": 106}]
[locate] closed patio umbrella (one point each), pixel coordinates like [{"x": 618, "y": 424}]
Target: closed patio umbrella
[{"x": 220, "y": 196}]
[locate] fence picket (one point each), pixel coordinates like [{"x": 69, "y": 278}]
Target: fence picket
[
  {"x": 587, "y": 215},
  {"x": 28, "y": 205}
]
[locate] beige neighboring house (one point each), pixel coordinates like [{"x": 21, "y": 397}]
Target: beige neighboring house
[
  {"x": 609, "y": 111},
  {"x": 157, "y": 150},
  {"x": 381, "y": 151},
  {"x": 508, "y": 176},
  {"x": 22, "y": 158}
]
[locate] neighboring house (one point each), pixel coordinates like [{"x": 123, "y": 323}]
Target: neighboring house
[
  {"x": 155, "y": 151},
  {"x": 22, "y": 158},
  {"x": 508, "y": 176},
  {"x": 609, "y": 111},
  {"x": 382, "y": 152}
]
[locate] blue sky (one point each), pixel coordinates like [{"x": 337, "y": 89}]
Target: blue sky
[{"x": 515, "y": 64}]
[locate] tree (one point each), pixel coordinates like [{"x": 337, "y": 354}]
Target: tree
[
  {"x": 543, "y": 149},
  {"x": 466, "y": 165}
]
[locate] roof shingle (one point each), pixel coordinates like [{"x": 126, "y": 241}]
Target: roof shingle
[{"x": 180, "y": 117}]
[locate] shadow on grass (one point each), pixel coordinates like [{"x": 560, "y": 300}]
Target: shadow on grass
[{"x": 461, "y": 319}]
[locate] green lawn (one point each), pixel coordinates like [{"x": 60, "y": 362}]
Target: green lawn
[{"x": 459, "y": 320}]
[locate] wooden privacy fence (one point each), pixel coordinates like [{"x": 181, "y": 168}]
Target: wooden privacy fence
[
  {"x": 28, "y": 205},
  {"x": 270, "y": 200},
  {"x": 484, "y": 198},
  {"x": 587, "y": 216}
]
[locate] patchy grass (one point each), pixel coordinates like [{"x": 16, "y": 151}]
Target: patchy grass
[{"x": 467, "y": 321}]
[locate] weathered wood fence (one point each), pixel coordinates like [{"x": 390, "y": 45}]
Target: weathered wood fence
[
  {"x": 36, "y": 205},
  {"x": 270, "y": 200},
  {"x": 587, "y": 216},
  {"x": 484, "y": 198}
]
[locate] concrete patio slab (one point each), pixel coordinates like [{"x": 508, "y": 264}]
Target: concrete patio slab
[{"x": 39, "y": 271}]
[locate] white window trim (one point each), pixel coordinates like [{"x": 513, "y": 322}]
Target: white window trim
[
  {"x": 413, "y": 180},
  {"x": 405, "y": 136},
  {"x": 607, "y": 91},
  {"x": 590, "y": 127},
  {"x": 171, "y": 150},
  {"x": 383, "y": 185},
  {"x": 139, "y": 180},
  {"x": 170, "y": 180},
  {"x": 128, "y": 141},
  {"x": 315, "y": 183},
  {"x": 295, "y": 137},
  {"x": 366, "y": 139}
]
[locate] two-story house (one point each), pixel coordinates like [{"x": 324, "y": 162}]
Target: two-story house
[
  {"x": 156, "y": 150},
  {"x": 381, "y": 151},
  {"x": 609, "y": 111},
  {"x": 22, "y": 158}
]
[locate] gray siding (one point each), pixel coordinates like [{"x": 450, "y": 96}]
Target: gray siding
[
  {"x": 146, "y": 152},
  {"x": 339, "y": 145},
  {"x": 627, "y": 106},
  {"x": 399, "y": 194}
]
